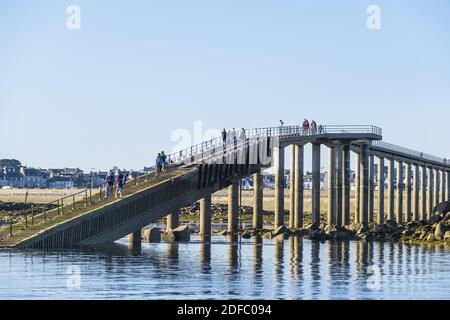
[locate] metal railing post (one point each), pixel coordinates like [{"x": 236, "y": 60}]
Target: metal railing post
[
  {"x": 32, "y": 214},
  {"x": 10, "y": 227},
  {"x": 26, "y": 221},
  {"x": 73, "y": 203},
  {"x": 62, "y": 206}
]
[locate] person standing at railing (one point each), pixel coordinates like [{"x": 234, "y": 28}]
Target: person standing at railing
[
  {"x": 109, "y": 185},
  {"x": 305, "y": 127},
  {"x": 234, "y": 134},
  {"x": 163, "y": 161},
  {"x": 224, "y": 137},
  {"x": 320, "y": 129},
  {"x": 243, "y": 136},
  {"x": 119, "y": 184},
  {"x": 158, "y": 164}
]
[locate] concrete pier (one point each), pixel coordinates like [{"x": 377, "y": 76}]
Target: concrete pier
[
  {"x": 278, "y": 157},
  {"x": 416, "y": 194},
  {"x": 135, "y": 240},
  {"x": 298, "y": 194},
  {"x": 173, "y": 221},
  {"x": 233, "y": 207},
  {"x": 257, "y": 201},
  {"x": 292, "y": 189},
  {"x": 347, "y": 184},
  {"x": 408, "y": 196},
  {"x": 371, "y": 187},
  {"x": 316, "y": 184},
  {"x": 364, "y": 185},
  {"x": 339, "y": 185},
  {"x": 331, "y": 215},
  {"x": 357, "y": 188},
  {"x": 399, "y": 203},
  {"x": 391, "y": 190},
  {"x": 437, "y": 185},
  {"x": 380, "y": 180},
  {"x": 430, "y": 192},
  {"x": 443, "y": 186},
  {"x": 423, "y": 194},
  {"x": 205, "y": 217}
]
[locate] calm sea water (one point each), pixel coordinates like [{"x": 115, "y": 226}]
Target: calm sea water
[{"x": 230, "y": 269}]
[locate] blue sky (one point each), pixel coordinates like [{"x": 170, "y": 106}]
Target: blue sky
[{"x": 113, "y": 92}]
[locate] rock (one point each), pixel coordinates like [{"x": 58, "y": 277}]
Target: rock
[
  {"x": 447, "y": 235},
  {"x": 391, "y": 225},
  {"x": 434, "y": 219},
  {"x": 380, "y": 229},
  {"x": 182, "y": 233},
  {"x": 151, "y": 235},
  {"x": 447, "y": 217},
  {"x": 280, "y": 230},
  {"x": 246, "y": 235},
  {"x": 440, "y": 230},
  {"x": 223, "y": 233},
  {"x": 430, "y": 237},
  {"x": 408, "y": 232}
]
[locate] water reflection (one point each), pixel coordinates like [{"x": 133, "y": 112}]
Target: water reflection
[{"x": 232, "y": 267}]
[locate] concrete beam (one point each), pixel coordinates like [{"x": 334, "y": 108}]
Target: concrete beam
[
  {"x": 399, "y": 203},
  {"x": 380, "y": 180},
  {"x": 233, "y": 207},
  {"x": 423, "y": 194},
  {"x": 173, "y": 221},
  {"x": 408, "y": 198},
  {"x": 339, "y": 185},
  {"x": 347, "y": 184},
  {"x": 357, "y": 187},
  {"x": 298, "y": 194},
  {"x": 416, "y": 194},
  {"x": 430, "y": 192},
  {"x": 135, "y": 240},
  {"x": 205, "y": 217},
  {"x": 278, "y": 157},
  {"x": 371, "y": 188},
  {"x": 292, "y": 189},
  {"x": 391, "y": 190},
  {"x": 316, "y": 184},
  {"x": 257, "y": 201},
  {"x": 364, "y": 185},
  {"x": 331, "y": 216}
]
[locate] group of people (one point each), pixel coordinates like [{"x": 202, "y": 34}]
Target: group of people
[
  {"x": 231, "y": 136},
  {"x": 311, "y": 128},
  {"x": 115, "y": 179},
  {"x": 161, "y": 160}
]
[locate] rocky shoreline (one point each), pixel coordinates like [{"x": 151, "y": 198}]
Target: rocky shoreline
[{"x": 436, "y": 230}]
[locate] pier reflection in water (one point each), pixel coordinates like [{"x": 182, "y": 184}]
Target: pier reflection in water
[{"x": 232, "y": 267}]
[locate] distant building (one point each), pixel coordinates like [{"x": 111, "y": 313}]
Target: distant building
[
  {"x": 33, "y": 178},
  {"x": 60, "y": 183}
]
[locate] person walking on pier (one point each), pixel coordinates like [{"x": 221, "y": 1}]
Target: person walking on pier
[
  {"x": 313, "y": 127},
  {"x": 305, "y": 127},
  {"x": 234, "y": 137}
]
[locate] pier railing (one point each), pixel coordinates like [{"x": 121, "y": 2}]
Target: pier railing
[{"x": 417, "y": 154}]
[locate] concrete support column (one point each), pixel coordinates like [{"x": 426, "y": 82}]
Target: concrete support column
[
  {"x": 357, "y": 187},
  {"x": 443, "y": 186},
  {"x": 173, "y": 221},
  {"x": 437, "y": 185},
  {"x": 347, "y": 184},
  {"x": 339, "y": 186},
  {"x": 298, "y": 194},
  {"x": 278, "y": 157},
  {"x": 205, "y": 217},
  {"x": 423, "y": 195},
  {"x": 134, "y": 240},
  {"x": 371, "y": 188},
  {"x": 316, "y": 184},
  {"x": 391, "y": 190},
  {"x": 448, "y": 186},
  {"x": 416, "y": 193},
  {"x": 408, "y": 200},
  {"x": 292, "y": 189},
  {"x": 233, "y": 207},
  {"x": 399, "y": 205},
  {"x": 257, "y": 201},
  {"x": 364, "y": 185},
  {"x": 331, "y": 216},
  {"x": 380, "y": 180},
  {"x": 430, "y": 193}
]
